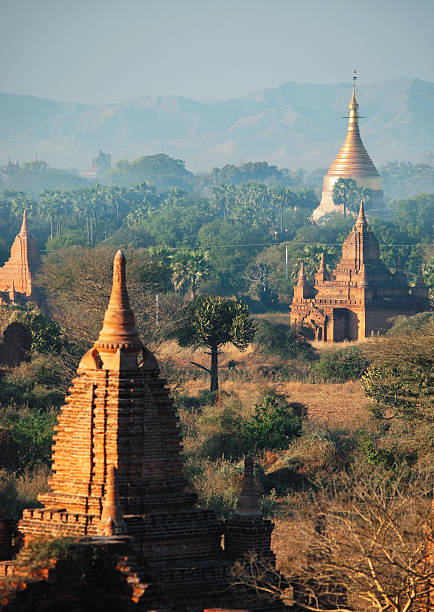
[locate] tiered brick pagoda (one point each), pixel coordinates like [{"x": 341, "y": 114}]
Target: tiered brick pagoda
[
  {"x": 16, "y": 283},
  {"x": 359, "y": 296},
  {"x": 353, "y": 162},
  {"x": 118, "y": 477}
]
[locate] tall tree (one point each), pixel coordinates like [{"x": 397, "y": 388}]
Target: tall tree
[{"x": 211, "y": 322}]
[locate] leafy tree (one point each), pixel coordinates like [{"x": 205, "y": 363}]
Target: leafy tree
[
  {"x": 274, "y": 424},
  {"x": 32, "y": 432},
  {"x": 221, "y": 238},
  {"x": 46, "y": 333},
  {"x": 286, "y": 341},
  {"x": 36, "y": 176},
  {"x": 212, "y": 322},
  {"x": 400, "y": 377},
  {"x": 405, "y": 179},
  {"x": 161, "y": 170}
]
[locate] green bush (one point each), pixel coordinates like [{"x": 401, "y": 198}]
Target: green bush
[
  {"x": 405, "y": 325},
  {"x": 285, "y": 341},
  {"x": 274, "y": 424},
  {"x": 394, "y": 458},
  {"x": 338, "y": 365},
  {"x": 46, "y": 333},
  {"x": 32, "y": 431},
  {"x": 221, "y": 429}
]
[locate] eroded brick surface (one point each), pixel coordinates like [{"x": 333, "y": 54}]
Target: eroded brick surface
[
  {"x": 359, "y": 296},
  {"x": 117, "y": 473}
]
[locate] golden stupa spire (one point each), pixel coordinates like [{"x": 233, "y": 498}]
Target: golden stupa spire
[
  {"x": 119, "y": 328},
  {"x": 353, "y": 160}
]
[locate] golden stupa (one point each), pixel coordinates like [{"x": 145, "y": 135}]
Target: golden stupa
[{"x": 352, "y": 161}]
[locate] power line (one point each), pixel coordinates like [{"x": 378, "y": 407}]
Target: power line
[{"x": 251, "y": 245}]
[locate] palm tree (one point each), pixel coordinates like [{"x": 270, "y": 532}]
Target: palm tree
[{"x": 189, "y": 267}]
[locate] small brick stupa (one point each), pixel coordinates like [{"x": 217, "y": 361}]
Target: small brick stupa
[
  {"x": 359, "y": 297},
  {"x": 16, "y": 286},
  {"x": 117, "y": 472}
]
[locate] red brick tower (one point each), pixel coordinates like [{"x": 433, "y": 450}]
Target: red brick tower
[
  {"x": 16, "y": 275},
  {"x": 117, "y": 471},
  {"x": 247, "y": 531}
]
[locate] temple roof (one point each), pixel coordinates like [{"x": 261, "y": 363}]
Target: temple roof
[
  {"x": 361, "y": 224},
  {"x": 119, "y": 328},
  {"x": 353, "y": 160}
]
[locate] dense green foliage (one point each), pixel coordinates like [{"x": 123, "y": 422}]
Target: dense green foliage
[
  {"x": 285, "y": 341},
  {"x": 400, "y": 376},
  {"x": 35, "y": 176},
  {"x": 32, "y": 433},
  {"x": 164, "y": 172},
  {"x": 405, "y": 179},
  {"x": 241, "y": 215},
  {"x": 212, "y": 322},
  {"x": 274, "y": 424},
  {"x": 340, "y": 364},
  {"x": 346, "y": 193},
  {"x": 46, "y": 333}
]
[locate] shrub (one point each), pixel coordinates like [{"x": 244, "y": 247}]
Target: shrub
[
  {"x": 274, "y": 424},
  {"x": 19, "y": 492},
  {"x": 217, "y": 483},
  {"x": 285, "y": 341},
  {"x": 220, "y": 426},
  {"x": 32, "y": 432},
  {"x": 340, "y": 364},
  {"x": 400, "y": 377},
  {"x": 393, "y": 458},
  {"x": 46, "y": 333},
  {"x": 405, "y": 325}
]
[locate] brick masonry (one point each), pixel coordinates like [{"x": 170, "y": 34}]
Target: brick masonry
[
  {"x": 358, "y": 298},
  {"x": 117, "y": 473}
]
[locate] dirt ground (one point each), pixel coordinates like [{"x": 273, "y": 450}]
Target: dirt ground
[{"x": 336, "y": 405}]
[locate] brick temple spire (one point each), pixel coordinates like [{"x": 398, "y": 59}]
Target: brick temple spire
[
  {"x": 361, "y": 225},
  {"x": 119, "y": 328},
  {"x": 117, "y": 471},
  {"x": 22, "y": 263},
  {"x": 247, "y": 531},
  {"x": 248, "y": 501},
  {"x": 301, "y": 276},
  {"x": 23, "y": 229},
  {"x": 112, "y": 521},
  {"x": 118, "y": 413}
]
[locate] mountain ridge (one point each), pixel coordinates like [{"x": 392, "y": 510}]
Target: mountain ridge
[{"x": 293, "y": 125}]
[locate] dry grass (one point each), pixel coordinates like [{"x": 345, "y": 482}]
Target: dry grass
[{"x": 335, "y": 405}]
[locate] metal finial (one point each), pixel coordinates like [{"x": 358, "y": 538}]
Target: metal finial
[{"x": 354, "y": 80}]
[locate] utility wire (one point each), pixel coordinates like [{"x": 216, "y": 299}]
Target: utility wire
[{"x": 261, "y": 244}]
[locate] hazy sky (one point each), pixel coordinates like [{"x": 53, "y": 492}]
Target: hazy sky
[{"x": 101, "y": 51}]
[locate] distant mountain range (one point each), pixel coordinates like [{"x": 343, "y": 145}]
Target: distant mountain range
[{"x": 293, "y": 126}]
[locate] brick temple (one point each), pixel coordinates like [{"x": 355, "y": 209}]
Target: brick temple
[
  {"x": 118, "y": 487},
  {"x": 359, "y": 296},
  {"x": 16, "y": 276}
]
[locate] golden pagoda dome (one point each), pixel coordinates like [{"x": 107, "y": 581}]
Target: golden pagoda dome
[{"x": 352, "y": 161}]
